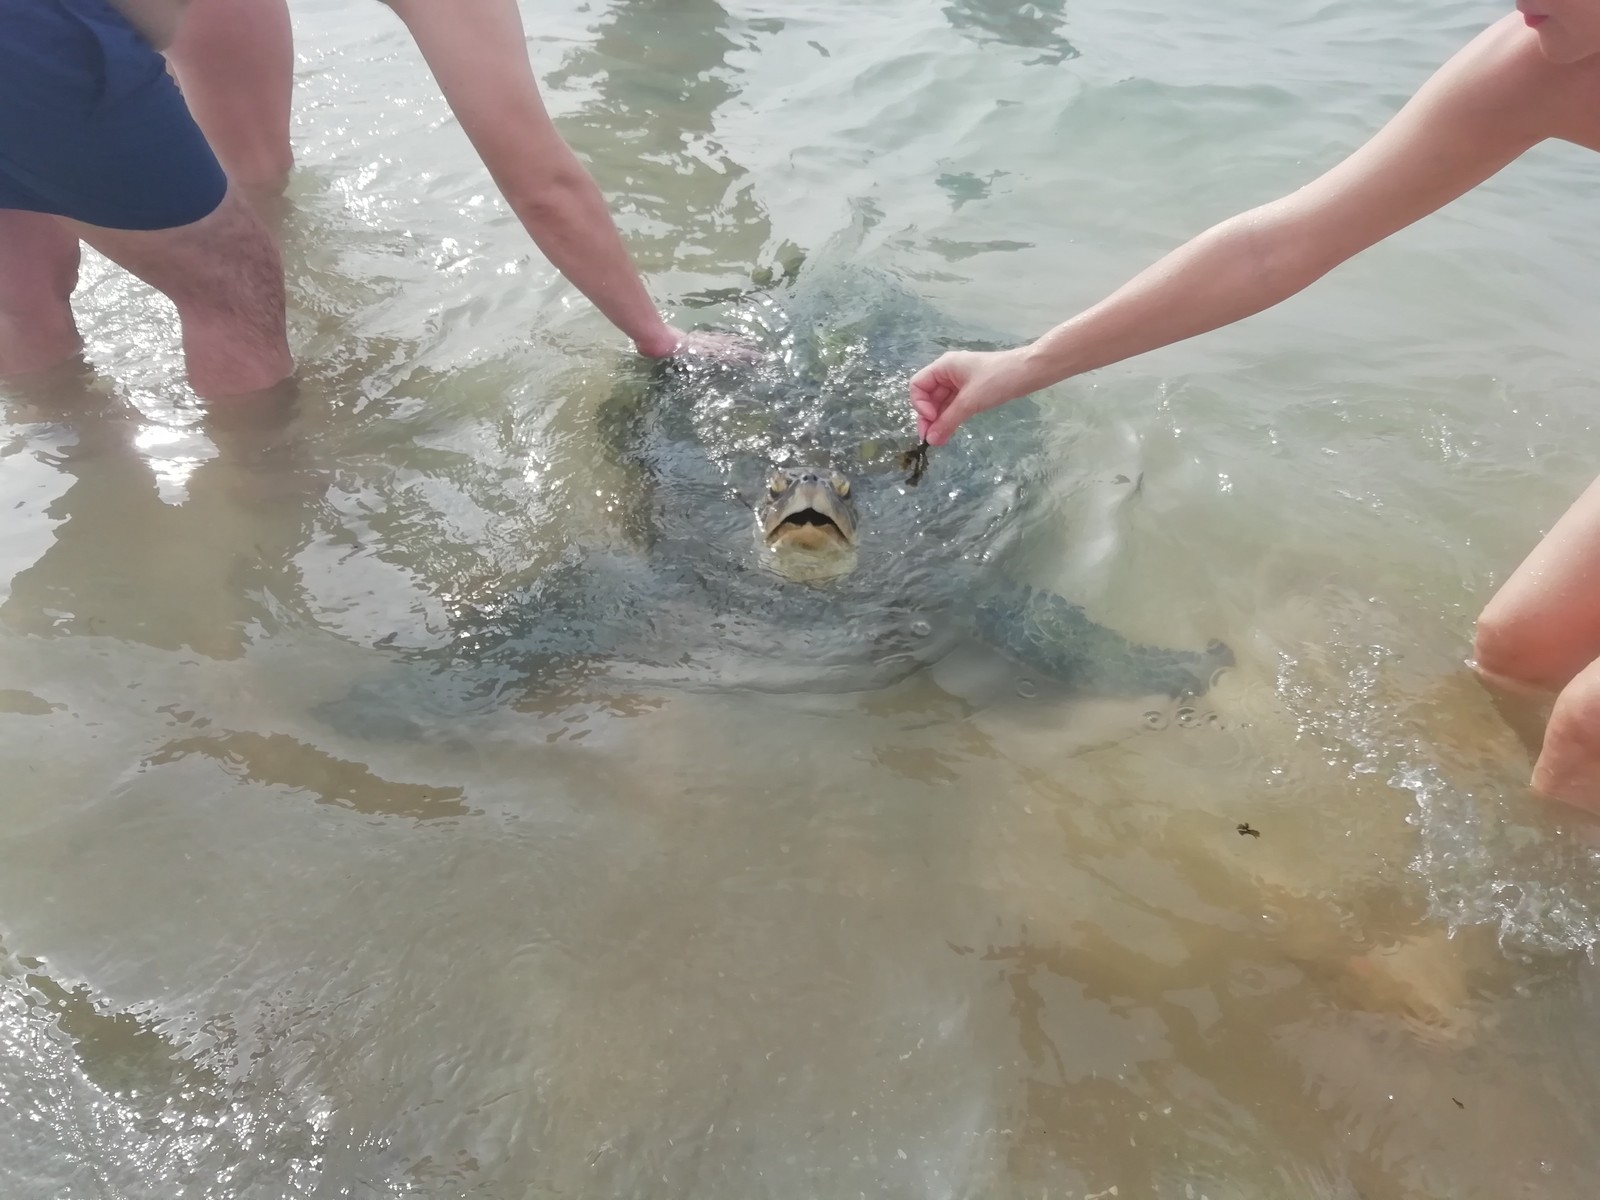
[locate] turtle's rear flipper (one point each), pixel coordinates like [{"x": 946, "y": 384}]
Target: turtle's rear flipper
[
  {"x": 533, "y": 645},
  {"x": 372, "y": 712},
  {"x": 1056, "y": 638}
]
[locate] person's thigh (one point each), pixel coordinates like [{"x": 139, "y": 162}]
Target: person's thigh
[
  {"x": 38, "y": 271},
  {"x": 235, "y": 60},
  {"x": 1543, "y": 626}
]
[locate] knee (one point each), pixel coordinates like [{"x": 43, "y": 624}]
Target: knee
[
  {"x": 1575, "y": 719},
  {"x": 1569, "y": 762},
  {"x": 1496, "y": 644},
  {"x": 1513, "y": 645},
  {"x": 263, "y": 168}
]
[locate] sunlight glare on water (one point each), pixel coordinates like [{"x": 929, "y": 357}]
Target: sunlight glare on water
[{"x": 286, "y": 909}]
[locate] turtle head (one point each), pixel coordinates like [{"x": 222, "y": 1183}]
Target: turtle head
[{"x": 808, "y": 523}]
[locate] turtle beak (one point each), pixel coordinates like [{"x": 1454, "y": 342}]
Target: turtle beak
[
  {"x": 807, "y": 529},
  {"x": 809, "y": 514}
]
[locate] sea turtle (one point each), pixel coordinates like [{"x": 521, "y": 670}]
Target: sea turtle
[{"x": 769, "y": 540}]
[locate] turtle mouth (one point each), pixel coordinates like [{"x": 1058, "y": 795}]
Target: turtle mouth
[
  {"x": 807, "y": 529},
  {"x": 807, "y": 515}
]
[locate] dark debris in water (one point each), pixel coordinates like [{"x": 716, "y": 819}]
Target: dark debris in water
[
  {"x": 915, "y": 461},
  {"x": 1245, "y": 831}
]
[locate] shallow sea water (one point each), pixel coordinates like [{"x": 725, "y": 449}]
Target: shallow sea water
[{"x": 616, "y": 941}]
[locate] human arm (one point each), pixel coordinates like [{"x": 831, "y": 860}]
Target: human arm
[
  {"x": 1486, "y": 106},
  {"x": 476, "y": 51}
]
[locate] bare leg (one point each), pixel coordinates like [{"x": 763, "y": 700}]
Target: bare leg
[
  {"x": 1543, "y": 626},
  {"x": 235, "y": 62},
  {"x": 1569, "y": 765},
  {"x": 38, "y": 270},
  {"x": 1540, "y": 634},
  {"x": 224, "y": 275}
]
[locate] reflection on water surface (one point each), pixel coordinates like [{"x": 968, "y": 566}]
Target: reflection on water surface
[{"x": 588, "y": 932}]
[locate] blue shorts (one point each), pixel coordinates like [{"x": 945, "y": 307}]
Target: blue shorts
[{"x": 91, "y": 125}]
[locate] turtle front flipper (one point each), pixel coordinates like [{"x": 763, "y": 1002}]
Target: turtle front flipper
[{"x": 1055, "y": 637}]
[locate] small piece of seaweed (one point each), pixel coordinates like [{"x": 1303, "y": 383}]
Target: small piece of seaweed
[
  {"x": 1245, "y": 831},
  {"x": 915, "y": 461}
]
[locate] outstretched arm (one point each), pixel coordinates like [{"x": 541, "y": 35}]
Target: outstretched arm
[
  {"x": 476, "y": 51},
  {"x": 1496, "y": 98}
]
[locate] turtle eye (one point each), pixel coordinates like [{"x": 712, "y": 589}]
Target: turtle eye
[
  {"x": 776, "y": 484},
  {"x": 841, "y": 485}
]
